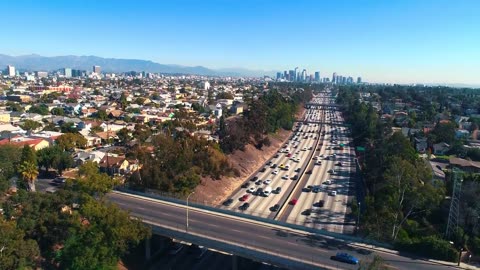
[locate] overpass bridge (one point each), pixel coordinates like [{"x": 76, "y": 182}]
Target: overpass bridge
[
  {"x": 285, "y": 245},
  {"x": 309, "y": 105}
]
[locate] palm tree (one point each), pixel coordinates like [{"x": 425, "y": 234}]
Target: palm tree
[{"x": 29, "y": 173}]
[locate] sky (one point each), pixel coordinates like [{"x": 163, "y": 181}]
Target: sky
[{"x": 393, "y": 41}]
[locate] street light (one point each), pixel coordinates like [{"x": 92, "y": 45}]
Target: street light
[{"x": 186, "y": 229}]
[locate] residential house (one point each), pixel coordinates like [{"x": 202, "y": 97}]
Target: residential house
[
  {"x": 421, "y": 144},
  {"x": 465, "y": 165},
  {"x": 82, "y": 156},
  {"x": 114, "y": 164},
  {"x": 20, "y": 141},
  {"x": 441, "y": 148}
]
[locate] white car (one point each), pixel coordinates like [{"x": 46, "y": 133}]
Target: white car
[
  {"x": 275, "y": 172},
  {"x": 285, "y": 176},
  {"x": 328, "y": 182},
  {"x": 252, "y": 189},
  {"x": 267, "y": 182},
  {"x": 333, "y": 193}
]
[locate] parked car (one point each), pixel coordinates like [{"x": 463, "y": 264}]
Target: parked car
[
  {"x": 275, "y": 208},
  {"x": 228, "y": 202}
]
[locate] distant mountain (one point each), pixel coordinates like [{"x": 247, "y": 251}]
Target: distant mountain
[{"x": 34, "y": 62}]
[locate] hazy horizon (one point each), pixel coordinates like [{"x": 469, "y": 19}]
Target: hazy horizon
[{"x": 381, "y": 41}]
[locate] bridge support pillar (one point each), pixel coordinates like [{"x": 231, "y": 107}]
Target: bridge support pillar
[
  {"x": 234, "y": 262},
  {"x": 148, "y": 249}
]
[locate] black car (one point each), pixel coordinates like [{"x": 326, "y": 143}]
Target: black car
[
  {"x": 307, "y": 212},
  {"x": 276, "y": 156},
  {"x": 254, "y": 179},
  {"x": 262, "y": 170},
  {"x": 295, "y": 177},
  {"x": 259, "y": 182},
  {"x": 245, "y": 185},
  {"x": 308, "y": 172},
  {"x": 297, "y": 169},
  {"x": 278, "y": 190},
  {"x": 258, "y": 192},
  {"x": 275, "y": 208},
  {"x": 228, "y": 202},
  {"x": 244, "y": 206},
  {"x": 321, "y": 203}
]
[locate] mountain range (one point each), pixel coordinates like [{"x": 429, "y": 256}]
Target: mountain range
[{"x": 35, "y": 62}]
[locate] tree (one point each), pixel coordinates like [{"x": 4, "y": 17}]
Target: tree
[
  {"x": 40, "y": 109},
  {"x": 106, "y": 238},
  {"x": 57, "y": 111},
  {"x": 28, "y": 155},
  {"x": 69, "y": 141},
  {"x": 30, "y": 125},
  {"x": 124, "y": 135},
  {"x": 444, "y": 132},
  {"x": 92, "y": 182},
  {"x": 16, "y": 252},
  {"x": 9, "y": 158},
  {"x": 101, "y": 114},
  {"x": 29, "y": 173}
]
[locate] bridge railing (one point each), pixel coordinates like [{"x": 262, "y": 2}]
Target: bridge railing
[{"x": 198, "y": 205}]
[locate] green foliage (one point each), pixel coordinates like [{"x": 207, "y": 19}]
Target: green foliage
[
  {"x": 40, "y": 109},
  {"x": 10, "y": 156},
  {"x": 101, "y": 114},
  {"x": 444, "y": 132},
  {"x": 28, "y": 155},
  {"x": 91, "y": 181},
  {"x": 15, "y": 107},
  {"x": 224, "y": 95},
  {"x": 70, "y": 141},
  {"x": 54, "y": 157},
  {"x": 30, "y": 125},
  {"x": 57, "y": 111},
  {"x": 431, "y": 247},
  {"x": 29, "y": 172},
  {"x": 16, "y": 252}
]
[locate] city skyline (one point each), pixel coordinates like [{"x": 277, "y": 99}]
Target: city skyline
[{"x": 394, "y": 42}]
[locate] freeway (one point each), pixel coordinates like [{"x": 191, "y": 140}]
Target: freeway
[
  {"x": 314, "y": 249},
  {"x": 305, "y": 160}
]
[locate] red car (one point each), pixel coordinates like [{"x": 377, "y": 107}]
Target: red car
[
  {"x": 289, "y": 155},
  {"x": 293, "y": 201},
  {"x": 244, "y": 198}
]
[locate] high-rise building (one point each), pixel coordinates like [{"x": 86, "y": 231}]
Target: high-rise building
[
  {"x": 279, "y": 75},
  {"x": 295, "y": 78},
  {"x": 285, "y": 75},
  {"x": 292, "y": 75},
  {"x": 41, "y": 74},
  {"x": 334, "y": 77},
  {"x": 304, "y": 75},
  {"x": 96, "y": 69},
  {"x": 359, "y": 80},
  {"x": 67, "y": 72},
  {"x": 317, "y": 76},
  {"x": 11, "y": 71}
]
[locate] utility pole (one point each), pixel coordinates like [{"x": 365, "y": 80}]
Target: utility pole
[{"x": 453, "y": 213}]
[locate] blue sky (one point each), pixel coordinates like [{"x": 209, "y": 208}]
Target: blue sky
[{"x": 383, "y": 41}]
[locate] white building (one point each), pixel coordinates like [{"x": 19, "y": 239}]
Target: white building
[
  {"x": 218, "y": 111},
  {"x": 205, "y": 85},
  {"x": 11, "y": 71}
]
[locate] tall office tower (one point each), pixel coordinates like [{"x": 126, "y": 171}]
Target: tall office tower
[
  {"x": 11, "y": 71},
  {"x": 334, "y": 77},
  {"x": 67, "y": 72},
  {"x": 359, "y": 80},
  {"x": 279, "y": 75},
  {"x": 304, "y": 75},
  {"x": 344, "y": 80},
  {"x": 96, "y": 69},
  {"x": 292, "y": 75},
  {"x": 296, "y": 74},
  {"x": 317, "y": 76},
  {"x": 285, "y": 75},
  {"x": 350, "y": 80}
]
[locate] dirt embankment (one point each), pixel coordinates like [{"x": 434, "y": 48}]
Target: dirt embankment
[{"x": 213, "y": 192}]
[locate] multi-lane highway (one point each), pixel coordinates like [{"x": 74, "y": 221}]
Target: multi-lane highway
[
  {"x": 309, "y": 177},
  {"x": 313, "y": 249}
]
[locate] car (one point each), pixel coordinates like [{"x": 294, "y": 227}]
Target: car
[
  {"x": 339, "y": 164},
  {"x": 244, "y": 197},
  {"x": 345, "y": 257},
  {"x": 328, "y": 182},
  {"x": 60, "y": 180},
  {"x": 278, "y": 190},
  {"x": 304, "y": 149},
  {"x": 244, "y": 206},
  {"x": 269, "y": 162},
  {"x": 289, "y": 154},
  {"x": 331, "y": 171},
  {"x": 245, "y": 185},
  {"x": 263, "y": 169},
  {"x": 293, "y": 201},
  {"x": 297, "y": 169},
  {"x": 254, "y": 179},
  {"x": 228, "y": 202},
  {"x": 273, "y": 166},
  {"x": 306, "y": 189},
  {"x": 275, "y": 172},
  {"x": 308, "y": 172},
  {"x": 259, "y": 182},
  {"x": 276, "y": 156},
  {"x": 267, "y": 182},
  {"x": 321, "y": 203},
  {"x": 295, "y": 177},
  {"x": 175, "y": 248},
  {"x": 316, "y": 189},
  {"x": 307, "y": 212},
  {"x": 259, "y": 192},
  {"x": 275, "y": 208},
  {"x": 333, "y": 193},
  {"x": 285, "y": 176},
  {"x": 252, "y": 189}
]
